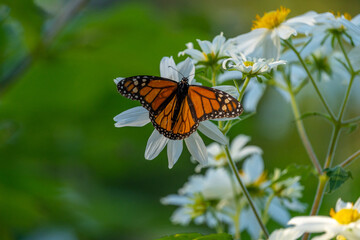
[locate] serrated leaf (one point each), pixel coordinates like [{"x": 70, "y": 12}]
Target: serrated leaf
[
  {"x": 198, "y": 236},
  {"x": 295, "y": 170},
  {"x": 337, "y": 177},
  {"x": 182, "y": 236}
]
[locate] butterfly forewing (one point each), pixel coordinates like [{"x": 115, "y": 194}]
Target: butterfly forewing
[
  {"x": 152, "y": 92},
  {"x": 210, "y": 103}
]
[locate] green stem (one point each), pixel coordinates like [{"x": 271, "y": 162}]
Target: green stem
[
  {"x": 265, "y": 216},
  {"x": 303, "y": 136},
  {"x": 213, "y": 77},
  {"x": 350, "y": 121},
  {"x": 311, "y": 79},
  {"x": 245, "y": 191},
  {"x": 350, "y": 159},
  {"x": 318, "y": 198},
  {"x": 243, "y": 88},
  {"x": 345, "y": 55}
]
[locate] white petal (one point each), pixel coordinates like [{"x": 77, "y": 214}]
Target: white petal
[
  {"x": 278, "y": 212},
  {"x": 214, "y": 149},
  {"x": 285, "y": 234},
  {"x": 285, "y": 32},
  {"x": 212, "y": 131},
  {"x": 117, "y": 80},
  {"x": 247, "y": 151},
  {"x": 205, "y": 46},
  {"x": 181, "y": 216},
  {"x": 313, "y": 224},
  {"x": 194, "y": 185},
  {"x": 174, "y": 199},
  {"x": 228, "y": 89},
  {"x": 247, "y": 216},
  {"x": 197, "y": 148},
  {"x": 133, "y": 117},
  {"x": 195, "y": 54},
  {"x": 249, "y": 42},
  {"x": 254, "y": 92},
  {"x": 357, "y": 205},
  {"x": 187, "y": 69},
  {"x": 174, "y": 149},
  {"x": 253, "y": 167},
  {"x": 217, "y": 184},
  {"x": 326, "y": 236},
  {"x": 155, "y": 145},
  {"x": 238, "y": 143},
  {"x": 229, "y": 75},
  {"x": 341, "y": 205},
  {"x": 168, "y": 69}
]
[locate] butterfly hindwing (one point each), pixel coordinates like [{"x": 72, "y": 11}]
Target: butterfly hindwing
[
  {"x": 152, "y": 92},
  {"x": 175, "y": 124}
]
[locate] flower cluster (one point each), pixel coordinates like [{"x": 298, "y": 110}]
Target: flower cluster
[
  {"x": 289, "y": 54},
  {"x": 214, "y": 198}
]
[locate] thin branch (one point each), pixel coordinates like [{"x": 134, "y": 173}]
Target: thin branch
[{"x": 350, "y": 159}]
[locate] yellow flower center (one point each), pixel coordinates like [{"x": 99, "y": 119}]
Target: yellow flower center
[
  {"x": 248, "y": 63},
  {"x": 347, "y": 16},
  {"x": 198, "y": 206},
  {"x": 220, "y": 156},
  {"x": 271, "y": 19},
  {"x": 340, "y": 237},
  {"x": 210, "y": 56},
  {"x": 345, "y": 215}
]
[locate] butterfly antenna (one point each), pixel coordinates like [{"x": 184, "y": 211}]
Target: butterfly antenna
[{"x": 177, "y": 71}]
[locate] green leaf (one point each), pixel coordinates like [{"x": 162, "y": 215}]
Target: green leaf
[
  {"x": 198, "y": 236},
  {"x": 182, "y": 236},
  {"x": 337, "y": 177},
  {"x": 218, "y": 236}
]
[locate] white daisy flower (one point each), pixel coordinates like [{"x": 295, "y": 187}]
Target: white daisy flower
[
  {"x": 268, "y": 30},
  {"x": 238, "y": 151},
  {"x": 211, "y": 52},
  {"x": 193, "y": 198},
  {"x": 250, "y": 66},
  {"x": 329, "y": 23},
  {"x": 139, "y": 116},
  {"x": 343, "y": 221},
  {"x": 255, "y": 179}
]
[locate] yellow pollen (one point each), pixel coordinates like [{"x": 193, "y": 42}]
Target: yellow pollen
[
  {"x": 340, "y": 237},
  {"x": 220, "y": 156},
  {"x": 345, "y": 215},
  {"x": 271, "y": 19},
  {"x": 205, "y": 56},
  {"x": 248, "y": 63},
  {"x": 338, "y": 14}
]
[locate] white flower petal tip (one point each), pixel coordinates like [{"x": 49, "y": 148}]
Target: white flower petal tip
[
  {"x": 286, "y": 234},
  {"x": 155, "y": 145},
  {"x": 133, "y": 117},
  {"x": 174, "y": 149},
  {"x": 197, "y": 148},
  {"x": 117, "y": 80},
  {"x": 213, "y": 132}
]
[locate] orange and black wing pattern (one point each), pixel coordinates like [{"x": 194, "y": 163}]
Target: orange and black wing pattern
[
  {"x": 176, "y": 108},
  {"x": 152, "y": 92},
  {"x": 211, "y": 103},
  {"x": 178, "y": 120}
]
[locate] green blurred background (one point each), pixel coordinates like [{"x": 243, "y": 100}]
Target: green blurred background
[{"x": 67, "y": 173}]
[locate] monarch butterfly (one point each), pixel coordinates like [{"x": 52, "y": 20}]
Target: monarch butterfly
[{"x": 176, "y": 108}]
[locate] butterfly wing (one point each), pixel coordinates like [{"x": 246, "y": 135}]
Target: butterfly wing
[
  {"x": 176, "y": 121},
  {"x": 200, "y": 104},
  {"x": 210, "y": 103},
  {"x": 153, "y": 92}
]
